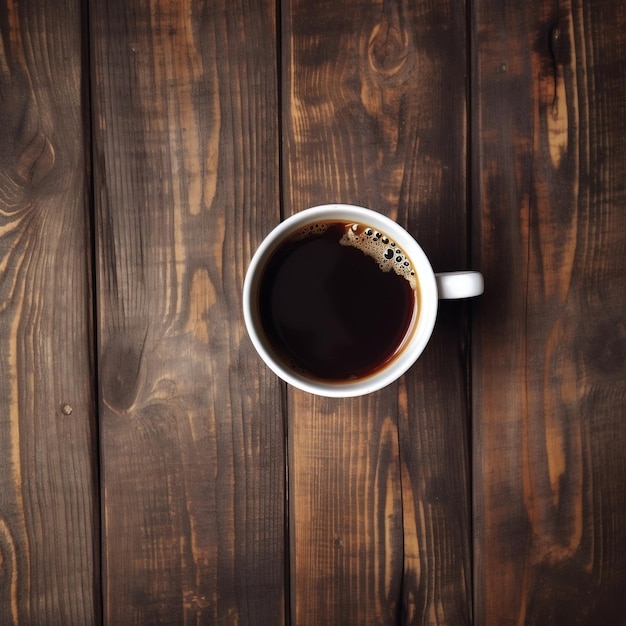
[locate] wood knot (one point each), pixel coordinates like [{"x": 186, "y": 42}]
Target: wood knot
[
  {"x": 121, "y": 367},
  {"x": 388, "y": 49},
  {"x": 36, "y": 161},
  {"x": 559, "y": 45},
  {"x": 606, "y": 350}
]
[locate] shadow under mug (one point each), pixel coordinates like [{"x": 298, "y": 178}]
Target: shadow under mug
[{"x": 430, "y": 285}]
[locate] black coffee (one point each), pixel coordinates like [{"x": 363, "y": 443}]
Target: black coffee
[{"x": 337, "y": 300}]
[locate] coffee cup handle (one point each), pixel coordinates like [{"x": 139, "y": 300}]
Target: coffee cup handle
[{"x": 463, "y": 284}]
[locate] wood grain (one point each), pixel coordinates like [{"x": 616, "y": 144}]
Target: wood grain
[
  {"x": 48, "y": 494},
  {"x": 368, "y": 100},
  {"x": 192, "y": 438},
  {"x": 374, "y": 114},
  {"x": 549, "y": 336}
]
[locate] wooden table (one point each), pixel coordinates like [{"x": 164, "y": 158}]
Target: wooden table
[{"x": 152, "y": 469}]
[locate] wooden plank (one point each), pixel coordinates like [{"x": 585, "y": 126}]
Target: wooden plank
[
  {"x": 374, "y": 114},
  {"x": 550, "y": 335},
  {"x": 48, "y": 495},
  {"x": 185, "y": 120}
]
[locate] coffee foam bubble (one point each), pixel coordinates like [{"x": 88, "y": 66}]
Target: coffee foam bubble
[
  {"x": 310, "y": 229},
  {"x": 381, "y": 248},
  {"x": 370, "y": 241}
]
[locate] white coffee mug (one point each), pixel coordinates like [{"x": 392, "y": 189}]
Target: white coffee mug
[{"x": 430, "y": 287}]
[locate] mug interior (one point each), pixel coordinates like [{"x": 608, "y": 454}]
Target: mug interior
[{"x": 418, "y": 335}]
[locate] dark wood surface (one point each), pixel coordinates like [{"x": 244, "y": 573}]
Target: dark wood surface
[
  {"x": 549, "y": 340},
  {"x": 191, "y": 428},
  {"x": 152, "y": 470},
  {"x": 49, "y": 562},
  {"x": 373, "y": 115}
]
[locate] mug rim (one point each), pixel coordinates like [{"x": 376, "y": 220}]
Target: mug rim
[{"x": 420, "y": 334}]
